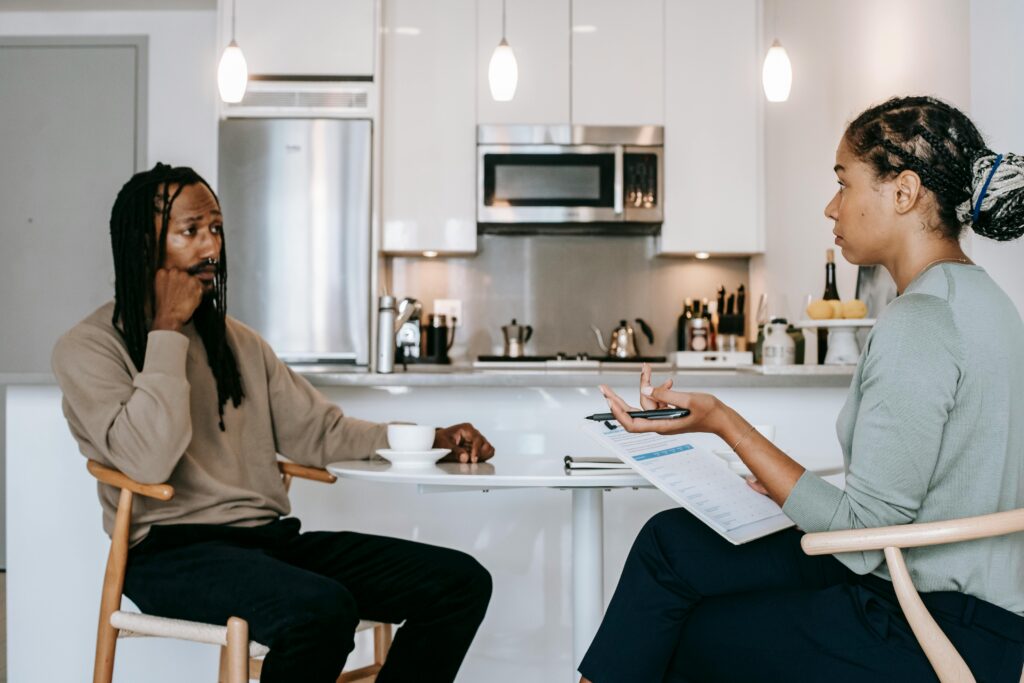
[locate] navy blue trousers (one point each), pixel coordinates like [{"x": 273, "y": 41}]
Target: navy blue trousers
[
  {"x": 303, "y": 594},
  {"x": 691, "y": 607}
]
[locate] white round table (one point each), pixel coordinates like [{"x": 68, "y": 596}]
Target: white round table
[{"x": 511, "y": 472}]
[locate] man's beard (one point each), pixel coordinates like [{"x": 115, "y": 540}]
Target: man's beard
[{"x": 207, "y": 318}]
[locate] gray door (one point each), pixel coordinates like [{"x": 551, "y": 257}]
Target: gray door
[
  {"x": 296, "y": 201},
  {"x": 69, "y": 131},
  {"x": 71, "y": 122}
]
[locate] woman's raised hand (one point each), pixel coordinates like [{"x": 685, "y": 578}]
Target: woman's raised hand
[
  {"x": 705, "y": 409},
  {"x": 646, "y": 402}
]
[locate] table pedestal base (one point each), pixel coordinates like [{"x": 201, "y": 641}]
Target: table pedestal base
[{"x": 587, "y": 570}]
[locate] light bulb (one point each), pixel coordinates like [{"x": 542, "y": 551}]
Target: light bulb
[
  {"x": 503, "y": 73},
  {"x": 232, "y": 74},
  {"x": 777, "y": 74}
]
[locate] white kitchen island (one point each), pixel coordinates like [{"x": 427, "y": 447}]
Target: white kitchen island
[{"x": 57, "y": 550}]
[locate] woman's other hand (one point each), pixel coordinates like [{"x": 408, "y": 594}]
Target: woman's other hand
[{"x": 756, "y": 485}]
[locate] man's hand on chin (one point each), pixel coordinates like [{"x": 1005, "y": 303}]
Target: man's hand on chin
[{"x": 466, "y": 443}]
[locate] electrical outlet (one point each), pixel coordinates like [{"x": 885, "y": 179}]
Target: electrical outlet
[{"x": 451, "y": 308}]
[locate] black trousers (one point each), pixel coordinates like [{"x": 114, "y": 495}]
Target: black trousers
[
  {"x": 692, "y": 607},
  {"x": 303, "y": 594}
]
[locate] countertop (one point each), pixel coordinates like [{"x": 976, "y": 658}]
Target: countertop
[
  {"x": 465, "y": 376},
  {"x": 753, "y": 376}
]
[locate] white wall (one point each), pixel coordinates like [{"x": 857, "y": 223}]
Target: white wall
[
  {"x": 846, "y": 56},
  {"x": 997, "y": 107},
  {"x": 183, "y": 54}
]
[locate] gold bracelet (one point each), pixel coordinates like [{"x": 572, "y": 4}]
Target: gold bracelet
[{"x": 745, "y": 435}]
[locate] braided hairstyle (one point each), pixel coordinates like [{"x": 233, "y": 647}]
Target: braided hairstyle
[
  {"x": 940, "y": 144},
  {"x": 139, "y": 253}
]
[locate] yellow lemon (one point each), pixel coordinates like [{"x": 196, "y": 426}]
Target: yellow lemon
[
  {"x": 819, "y": 309},
  {"x": 855, "y": 308}
]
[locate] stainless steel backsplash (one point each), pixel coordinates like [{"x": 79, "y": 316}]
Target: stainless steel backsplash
[{"x": 560, "y": 285}]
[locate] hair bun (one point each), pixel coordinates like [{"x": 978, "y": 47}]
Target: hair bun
[{"x": 1000, "y": 215}]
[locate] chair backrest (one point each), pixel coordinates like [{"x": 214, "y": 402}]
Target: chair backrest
[
  {"x": 948, "y": 664},
  {"x": 117, "y": 558}
]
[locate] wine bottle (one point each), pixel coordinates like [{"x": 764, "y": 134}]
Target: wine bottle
[
  {"x": 681, "y": 332},
  {"x": 831, "y": 294}
]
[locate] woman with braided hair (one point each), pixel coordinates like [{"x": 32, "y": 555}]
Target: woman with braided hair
[{"x": 932, "y": 430}]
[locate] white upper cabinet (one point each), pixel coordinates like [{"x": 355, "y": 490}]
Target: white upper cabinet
[
  {"x": 322, "y": 38},
  {"x": 538, "y": 33},
  {"x": 428, "y": 126},
  {"x": 713, "y": 180},
  {"x": 618, "y": 58}
]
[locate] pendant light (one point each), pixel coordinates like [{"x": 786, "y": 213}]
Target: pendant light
[
  {"x": 503, "y": 72},
  {"x": 777, "y": 73},
  {"x": 232, "y": 73}
]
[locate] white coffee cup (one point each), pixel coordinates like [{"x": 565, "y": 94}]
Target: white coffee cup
[{"x": 410, "y": 437}]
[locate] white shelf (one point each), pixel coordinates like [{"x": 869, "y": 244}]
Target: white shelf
[
  {"x": 815, "y": 370},
  {"x": 836, "y": 322}
]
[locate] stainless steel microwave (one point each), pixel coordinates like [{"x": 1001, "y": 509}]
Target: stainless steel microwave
[{"x": 537, "y": 175}]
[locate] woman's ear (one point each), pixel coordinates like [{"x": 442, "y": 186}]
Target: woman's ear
[{"x": 906, "y": 191}]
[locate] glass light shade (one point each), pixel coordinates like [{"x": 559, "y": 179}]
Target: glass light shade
[
  {"x": 503, "y": 73},
  {"x": 232, "y": 74},
  {"x": 777, "y": 74}
]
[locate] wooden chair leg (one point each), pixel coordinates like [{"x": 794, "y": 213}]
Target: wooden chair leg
[
  {"x": 113, "y": 584},
  {"x": 106, "y": 645},
  {"x": 222, "y": 668},
  {"x": 255, "y": 669},
  {"x": 381, "y": 643},
  {"x": 237, "y": 651}
]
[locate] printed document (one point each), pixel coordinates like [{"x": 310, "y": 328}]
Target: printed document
[{"x": 696, "y": 479}]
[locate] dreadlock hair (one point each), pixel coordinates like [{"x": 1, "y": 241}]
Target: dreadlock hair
[
  {"x": 970, "y": 183},
  {"x": 139, "y": 252}
]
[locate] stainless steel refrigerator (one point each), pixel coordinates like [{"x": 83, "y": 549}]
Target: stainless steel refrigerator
[{"x": 296, "y": 200}]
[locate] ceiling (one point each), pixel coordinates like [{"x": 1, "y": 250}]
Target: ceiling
[{"x": 104, "y": 5}]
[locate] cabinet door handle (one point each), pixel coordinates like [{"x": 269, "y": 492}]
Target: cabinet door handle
[{"x": 618, "y": 180}]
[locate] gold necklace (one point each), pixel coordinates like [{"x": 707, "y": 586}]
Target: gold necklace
[{"x": 942, "y": 260}]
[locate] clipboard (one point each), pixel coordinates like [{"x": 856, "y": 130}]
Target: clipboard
[{"x": 699, "y": 481}]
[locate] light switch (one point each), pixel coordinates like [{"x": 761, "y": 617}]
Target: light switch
[{"x": 450, "y": 308}]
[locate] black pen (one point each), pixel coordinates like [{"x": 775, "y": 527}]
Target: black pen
[{"x": 662, "y": 414}]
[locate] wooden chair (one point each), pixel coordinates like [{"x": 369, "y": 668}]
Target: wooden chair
[
  {"x": 240, "y": 659},
  {"x": 948, "y": 664}
]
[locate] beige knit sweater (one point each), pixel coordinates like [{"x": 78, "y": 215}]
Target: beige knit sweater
[{"x": 161, "y": 424}]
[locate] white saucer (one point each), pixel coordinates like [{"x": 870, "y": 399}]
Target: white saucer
[{"x": 413, "y": 458}]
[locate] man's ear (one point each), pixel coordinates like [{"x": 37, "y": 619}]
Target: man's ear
[{"x": 907, "y": 189}]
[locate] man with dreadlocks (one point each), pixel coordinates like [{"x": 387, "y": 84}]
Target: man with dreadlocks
[{"x": 162, "y": 385}]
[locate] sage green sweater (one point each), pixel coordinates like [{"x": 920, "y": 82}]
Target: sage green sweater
[
  {"x": 160, "y": 424},
  {"x": 933, "y": 429}
]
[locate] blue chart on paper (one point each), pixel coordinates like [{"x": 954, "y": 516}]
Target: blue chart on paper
[
  {"x": 667, "y": 451},
  {"x": 698, "y": 480}
]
